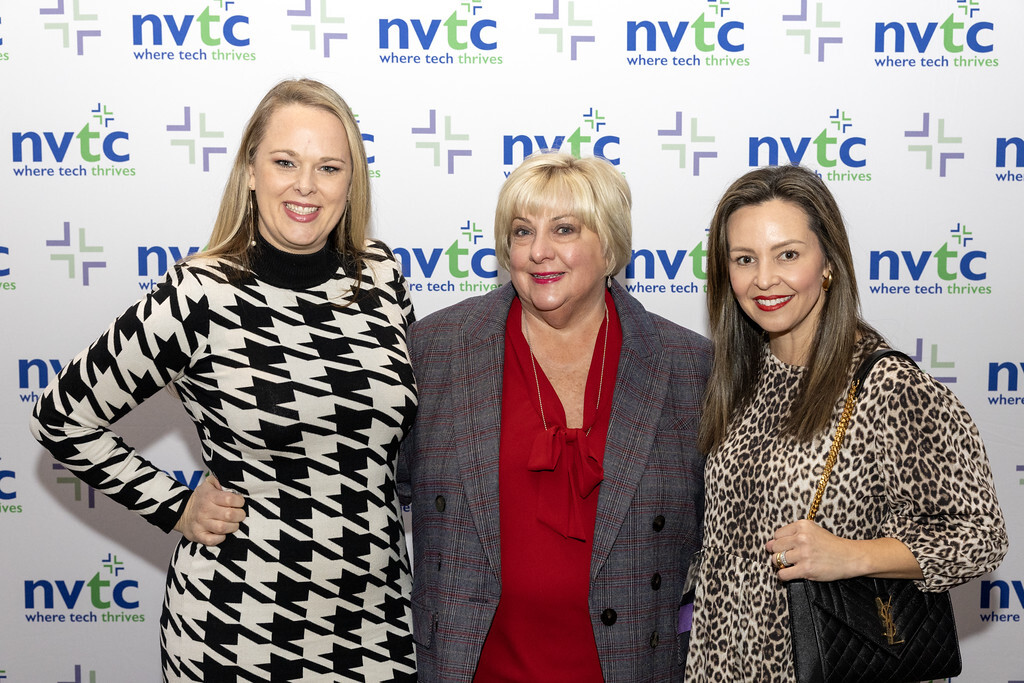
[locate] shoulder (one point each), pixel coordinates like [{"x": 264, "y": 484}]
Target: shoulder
[
  {"x": 486, "y": 309},
  {"x": 207, "y": 268},
  {"x": 676, "y": 335},
  {"x": 199, "y": 274},
  {"x": 896, "y": 372},
  {"x": 645, "y": 327},
  {"x": 380, "y": 261},
  {"x": 913, "y": 396}
]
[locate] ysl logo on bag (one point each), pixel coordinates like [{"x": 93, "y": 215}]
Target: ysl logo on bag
[{"x": 885, "y": 616}]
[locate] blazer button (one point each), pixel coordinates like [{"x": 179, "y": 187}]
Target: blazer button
[
  {"x": 608, "y": 617},
  {"x": 659, "y": 523},
  {"x": 656, "y": 581},
  {"x": 654, "y": 639},
  {"x": 439, "y": 503}
]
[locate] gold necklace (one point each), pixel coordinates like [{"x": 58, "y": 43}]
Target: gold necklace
[{"x": 533, "y": 364}]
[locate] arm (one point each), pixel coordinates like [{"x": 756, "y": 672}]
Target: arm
[
  {"x": 816, "y": 554},
  {"x": 407, "y": 447},
  {"x": 938, "y": 481},
  {"x": 145, "y": 349},
  {"x": 945, "y": 525}
]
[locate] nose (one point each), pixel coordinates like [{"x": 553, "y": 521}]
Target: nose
[
  {"x": 305, "y": 181},
  {"x": 540, "y": 250},
  {"x": 766, "y": 275}
]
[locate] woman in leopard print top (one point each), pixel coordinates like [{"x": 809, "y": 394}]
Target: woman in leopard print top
[{"x": 912, "y": 495}]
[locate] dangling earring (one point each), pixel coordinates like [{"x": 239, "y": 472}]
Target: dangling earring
[
  {"x": 826, "y": 283},
  {"x": 253, "y": 223}
]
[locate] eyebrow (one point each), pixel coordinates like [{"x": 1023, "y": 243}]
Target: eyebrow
[
  {"x": 780, "y": 245},
  {"x": 554, "y": 218},
  {"x": 293, "y": 153}
]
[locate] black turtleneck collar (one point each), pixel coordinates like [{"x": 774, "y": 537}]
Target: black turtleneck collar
[{"x": 293, "y": 271}]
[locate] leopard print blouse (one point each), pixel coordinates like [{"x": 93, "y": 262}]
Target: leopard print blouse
[{"x": 912, "y": 467}]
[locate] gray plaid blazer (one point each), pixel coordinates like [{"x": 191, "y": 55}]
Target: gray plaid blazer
[{"x": 650, "y": 506}]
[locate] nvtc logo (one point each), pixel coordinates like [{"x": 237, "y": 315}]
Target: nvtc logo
[
  {"x": 104, "y": 590},
  {"x": 40, "y": 369},
  {"x": 951, "y": 36},
  {"x": 1004, "y": 146},
  {"x": 702, "y": 34},
  {"x": 462, "y": 261},
  {"x": 154, "y": 262},
  {"x": 586, "y": 139},
  {"x": 93, "y": 143},
  {"x": 949, "y": 262},
  {"x": 832, "y": 146},
  {"x": 7, "y": 491},
  {"x": 4, "y": 56},
  {"x": 96, "y": 141},
  {"x": 1009, "y": 372},
  {"x": 1004, "y": 592},
  {"x": 5, "y": 271},
  {"x": 421, "y": 35},
  {"x": 152, "y": 30},
  {"x": 661, "y": 264}
]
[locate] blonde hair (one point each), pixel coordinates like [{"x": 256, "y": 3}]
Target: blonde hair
[
  {"x": 236, "y": 224},
  {"x": 590, "y": 189}
]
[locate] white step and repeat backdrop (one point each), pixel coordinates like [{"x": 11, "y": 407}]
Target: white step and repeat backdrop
[{"x": 120, "y": 120}]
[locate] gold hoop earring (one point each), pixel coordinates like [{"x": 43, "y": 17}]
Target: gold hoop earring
[{"x": 826, "y": 283}]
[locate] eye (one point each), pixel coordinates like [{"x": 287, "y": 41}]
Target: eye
[
  {"x": 519, "y": 231},
  {"x": 285, "y": 163},
  {"x": 788, "y": 255},
  {"x": 329, "y": 170},
  {"x": 743, "y": 260}
]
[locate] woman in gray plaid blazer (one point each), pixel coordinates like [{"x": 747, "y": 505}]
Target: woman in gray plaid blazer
[{"x": 556, "y": 487}]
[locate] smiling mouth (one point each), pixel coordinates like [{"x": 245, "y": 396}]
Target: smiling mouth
[
  {"x": 302, "y": 210},
  {"x": 772, "y": 303},
  {"x": 546, "y": 277}
]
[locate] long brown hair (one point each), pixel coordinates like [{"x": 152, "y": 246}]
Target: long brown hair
[
  {"x": 739, "y": 342},
  {"x": 236, "y": 224}
]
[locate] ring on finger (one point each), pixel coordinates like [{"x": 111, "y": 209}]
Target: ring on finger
[
  {"x": 782, "y": 561},
  {"x": 779, "y": 559}
]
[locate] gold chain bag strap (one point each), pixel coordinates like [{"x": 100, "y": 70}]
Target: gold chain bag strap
[{"x": 868, "y": 630}]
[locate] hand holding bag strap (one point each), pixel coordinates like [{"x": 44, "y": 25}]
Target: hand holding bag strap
[{"x": 844, "y": 421}]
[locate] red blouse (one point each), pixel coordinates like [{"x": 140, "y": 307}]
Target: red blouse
[{"x": 548, "y": 490}]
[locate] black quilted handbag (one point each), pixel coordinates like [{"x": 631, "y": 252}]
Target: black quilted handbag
[{"x": 866, "y": 630}]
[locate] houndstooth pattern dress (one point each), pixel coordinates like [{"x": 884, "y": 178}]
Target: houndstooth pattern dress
[{"x": 300, "y": 403}]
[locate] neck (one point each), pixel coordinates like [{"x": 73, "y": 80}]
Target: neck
[
  {"x": 293, "y": 271},
  {"x": 570, "y": 323}
]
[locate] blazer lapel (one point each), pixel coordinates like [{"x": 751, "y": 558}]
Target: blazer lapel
[
  {"x": 640, "y": 389},
  {"x": 477, "y": 384}
]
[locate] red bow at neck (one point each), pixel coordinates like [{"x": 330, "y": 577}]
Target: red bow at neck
[{"x": 571, "y": 473}]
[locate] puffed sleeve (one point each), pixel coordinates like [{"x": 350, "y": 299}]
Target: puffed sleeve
[
  {"x": 146, "y": 348},
  {"x": 937, "y": 477}
]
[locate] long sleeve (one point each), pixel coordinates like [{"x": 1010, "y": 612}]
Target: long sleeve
[
  {"x": 145, "y": 349},
  {"x": 937, "y": 477}
]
